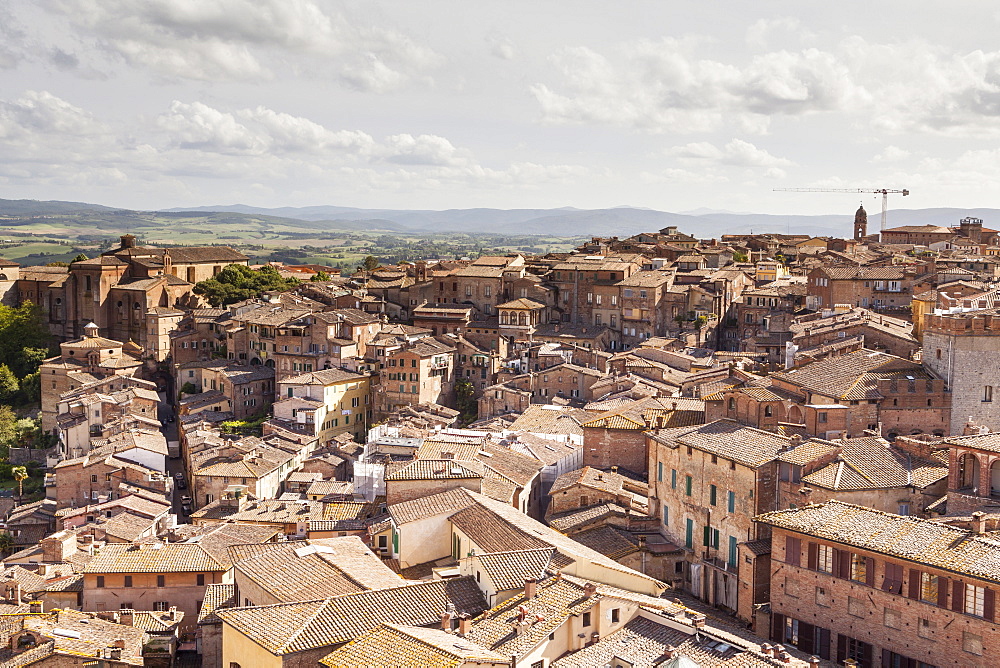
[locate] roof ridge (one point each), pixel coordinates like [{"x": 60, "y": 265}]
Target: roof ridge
[{"x": 293, "y": 637}]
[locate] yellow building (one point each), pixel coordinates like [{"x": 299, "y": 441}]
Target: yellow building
[{"x": 325, "y": 404}]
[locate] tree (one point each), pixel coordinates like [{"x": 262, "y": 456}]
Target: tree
[
  {"x": 466, "y": 400},
  {"x": 320, "y": 276},
  {"x": 79, "y": 258},
  {"x": 238, "y": 282},
  {"x": 31, "y": 388},
  {"x": 24, "y": 338},
  {"x": 370, "y": 263},
  {"x": 8, "y": 384},
  {"x": 739, "y": 257},
  {"x": 6, "y": 543},
  {"x": 20, "y": 474},
  {"x": 8, "y": 427}
]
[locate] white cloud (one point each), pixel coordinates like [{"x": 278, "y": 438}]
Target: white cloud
[
  {"x": 247, "y": 40},
  {"x": 891, "y": 154},
  {"x": 502, "y": 48},
  {"x": 762, "y": 32},
  {"x": 736, "y": 153},
  {"x": 406, "y": 149},
  {"x": 40, "y": 113}
]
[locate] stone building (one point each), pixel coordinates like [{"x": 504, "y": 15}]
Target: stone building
[
  {"x": 961, "y": 347},
  {"x": 849, "y": 582},
  {"x": 81, "y": 361}
]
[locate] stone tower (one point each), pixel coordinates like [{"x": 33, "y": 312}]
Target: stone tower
[{"x": 860, "y": 223}]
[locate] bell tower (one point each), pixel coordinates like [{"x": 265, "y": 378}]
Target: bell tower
[{"x": 860, "y": 223}]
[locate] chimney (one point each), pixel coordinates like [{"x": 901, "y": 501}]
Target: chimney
[
  {"x": 530, "y": 585},
  {"x": 784, "y": 657},
  {"x": 795, "y": 440},
  {"x": 813, "y": 662},
  {"x": 35, "y": 606},
  {"x": 446, "y": 621},
  {"x": 614, "y": 469},
  {"x": 128, "y": 240},
  {"x": 698, "y": 621},
  {"x": 850, "y": 663},
  {"x": 979, "y": 523},
  {"x": 765, "y": 649},
  {"x": 119, "y": 643},
  {"x": 464, "y": 624},
  {"x": 172, "y": 613},
  {"x": 14, "y": 592},
  {"x": 589, "y": 590}
]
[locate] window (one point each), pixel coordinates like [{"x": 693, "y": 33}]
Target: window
[
  {"x": 615, "y": 615},
  {"x": 732, "y": 552},
  {"x": 689, "y": 533},
  {"x": 161, "y": 580},
  {"x": 659, "y": 471},
  {"x": 673, "y": 478},
  {"x": 731, "y": 501},
  {"x": 586, "y": 619},
  {"x": 928, "y": 587},
  {"x": 666, "y": 516},
  {"x": 821, "y": 417},
  {"x": 856, "y": 607},
  {"x": 161, "y": 606},
  {"x": 859, "y": 568},
  {"x": 975, "y": 600},
  {"x": 791, "y": 631},
  {"x": 987, "y": 393},
  {"x": 712, "y": 494},
  {"x": 201, "y": 578},
  {"x": 825, "y": 559},
  {"x": 687, "y": 485},
  {"x": 100, "y": 581}
]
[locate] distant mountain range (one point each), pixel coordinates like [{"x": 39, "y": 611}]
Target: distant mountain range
[{"x": 562, "y": 222}]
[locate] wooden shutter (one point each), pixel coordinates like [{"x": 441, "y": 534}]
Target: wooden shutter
[
  {"x": 821, "y": 645},
  {"x": 807, "y": 634},
  {"x": 869, "y": 571},
  {"x": 793, "y": 550},
  {"x": 778, "y": 628},
  {"x": 837, "y": 556},
  {"x": 866, "y": 655},
  {"x": 958, "y": 596},
  {"x": 813, "y": 556},
  {"x": 914, "y": 590},
  {"x": 841, "y": 647},
  {"x": 989, "y": 604},
  {"x": 943, "y": 592},
  {"x": 886, "y": 657}
]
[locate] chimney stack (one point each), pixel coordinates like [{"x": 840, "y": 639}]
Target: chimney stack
[
  {"x": 35, "y": 606},
  {"x": 464, "y": 625},
  {"x": 979, "y": 523},
  {"x": 446, "y": 621},
  {"x": 126, "y": 617},
  {"x": 589, "y": 590},
  {"x": 172, "y": 613},
  {"x": 530, "y": 585},
  {"x": 813, "y": 662}
]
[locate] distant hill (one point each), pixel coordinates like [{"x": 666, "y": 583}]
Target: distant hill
[
  {"x": 31, "y": 207},
  {"x": 561, "y": 222}
]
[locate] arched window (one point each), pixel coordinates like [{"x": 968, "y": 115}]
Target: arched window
[
  {"x": 968, "y": 472},
  {"x": 732, "y": 404},
  {"x": 995, "y": 479},
  {"x": 768, "y": 411}
]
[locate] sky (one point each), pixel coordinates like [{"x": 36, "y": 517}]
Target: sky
[{"x": 675, "y": 106}]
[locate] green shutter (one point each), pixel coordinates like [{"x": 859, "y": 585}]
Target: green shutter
[
  {"x": 666, "y": 516},
  {"x": 715, "y": 538},
  {"x": 673, "y": 478},
  {"x": 706, "y": 538},
  {"x": 732, "y": 502},
  {"x": 689, "y": 534},
  {"x": 712, "y": 494},
  {"x": 659, "y": 471},
  {"x": 732, "y": 551},
  {"x": 687, "y": 485}
]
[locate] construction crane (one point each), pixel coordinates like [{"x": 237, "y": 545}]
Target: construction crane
[{"x": 884, "y": 192}]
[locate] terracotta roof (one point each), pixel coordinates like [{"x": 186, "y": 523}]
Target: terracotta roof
[
  {"x": 910, "y": 538},
  {"x": 285, "y": 628},
  {"x": 217, "y": 597},
  {"x": 432, "y": 469},
  {"x": 428, "y": 506},
  {"x": 554, "y": 601},
  {"x": 395, "y": 645},
  {"x": 606, "y": 481},
  {"x": 727, "y": 438},
  {"x": 155, "y": 557},
  {"x": 853, "y": 376},
  {"x": 612, "y": 542},
  {"x": 324, "y": 567},
  {"x": 508, "y": 570}
]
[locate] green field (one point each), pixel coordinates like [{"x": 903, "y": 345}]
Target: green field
[{"x": 39, "y": 240}]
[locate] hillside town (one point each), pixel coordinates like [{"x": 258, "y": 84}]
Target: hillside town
[{"x": 753, "y": 450}]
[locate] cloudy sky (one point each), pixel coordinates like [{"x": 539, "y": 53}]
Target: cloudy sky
[{"x": 669, "y": 105}]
